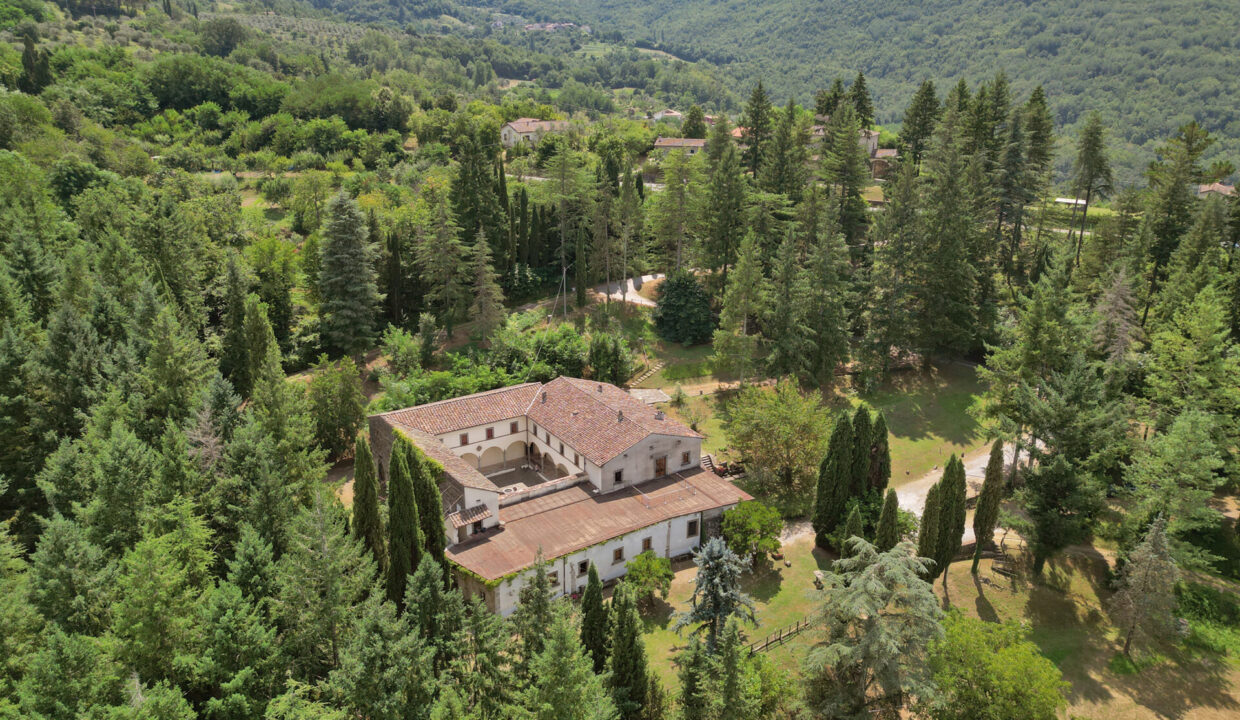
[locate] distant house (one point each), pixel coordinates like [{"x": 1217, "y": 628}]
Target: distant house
[
  {"x": 884, "y": 162},
  {"x": 869, "y": 141},
  {"x": 668, "y": 114},
  {"x": 1218, "y": 189},
  {"x": 529, "y": 131},
  {"x": 573, "y": 471},
  {"x": 691, "y": 146},
  {"x": 738, "y": 132},
  {"x": 710, "y": 119}
]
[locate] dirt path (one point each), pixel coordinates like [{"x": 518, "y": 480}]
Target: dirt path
[
  {"x": 912, "y": 495},
  {"x": 627, "y": 291}
]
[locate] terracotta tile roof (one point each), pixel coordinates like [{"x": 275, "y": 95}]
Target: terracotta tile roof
[
  {"x": 679, "y": 143},
  {"x": 886, "y": 153},
  {"x": 599, "y": 420},
  {"x": 465, "y": 412},
  {"x": 469, "y": 516},
  {"x": 458, "y": 469},
  {"x": 568, "y": 520},
  {"x": 1216, "y": 188},
  {"x": 530, "y": 125}
]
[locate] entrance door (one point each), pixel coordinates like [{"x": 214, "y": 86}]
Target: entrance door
[{"x": 660, "y": 466}]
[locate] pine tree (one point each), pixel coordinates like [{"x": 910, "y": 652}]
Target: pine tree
[
  {"x": 175, "y": 372},
  {"x": 717, "y": 596},
  {"x": 846, "y": 170},
  {"x": 919, "y": 121},
  {"x": 595, "y": 620},
  {"x": 928, "y": 532},
  {"x": 786, "y": 321},
  {"x": 564, "y": 685},
  {"x": 442, "y": 259},
  {"x": 487, "y": 309},
  {"x": 898, "y": 271},
  {"x": 532, "y": 619},
  {"x": 698, "y": 701},
  {"x": 735, "y": 699},
  {"x": 826, "y": 101},
  {"x": 784, "y": 169},
  {"x": 862, "y": 452},
  {"x": 695, "y": 123},
  {"x": 852, "y": 529},
  {"x": 987, "y": 514},
  {"x": 756, "y": 122},
  {"x": 367, "y": 526},
  {"x": 431, "y": 611},
  {"x": 859, "y": 96},
  {"x": 888, "y": 533},
  {"x": 834, "y": 482},
  {"x": 1040, "y": 137},
  {"x": 1091, "y": 172},
  {"x": 630, "y": 675},
  {"x": 404, "y": 535},
  {"x": 1145, "y": 604},
  {"x": 347, "y": 280},
  {"x": 259, "y": 342},
  {"x": 743, "y": 301},
  {"x": 234, "y": 352},
  {"x": 952, "y": 512},
  {"x": 385, "y": 669},
  {"x": 827, "y": 304},
  {"x": 721, "y": 218}
]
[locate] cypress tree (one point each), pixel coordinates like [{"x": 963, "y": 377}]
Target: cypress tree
[
  {"x": 888, "y": 533},
  {"x": 234, "y": 357},
  {"x": 430, "y": 505},
  {"x": 734, "y": 699},
  {"x": 852, "y": 529},
  {"x": 863, "y": 443},
  {"x": 629, "y": 672},
  {"x": 594, "y": 621},
  {"x": 367, "y": 525},
  {"x": 951, "y": 514},
  {"x": 928, "y": 534},
  {"x": 833, "y": 481},
  {"x": 347, "y": 280},
  {"x": 259, "y": 341},
  {"x": 696, "y": 699},
  {"x": 404, "y": 543},
  {"x": 880, "y": 455},
  {"x": 987, "y": 513},
  {"x": 532, "y": 619}
]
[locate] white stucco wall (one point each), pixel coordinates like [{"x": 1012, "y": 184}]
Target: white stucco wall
[
  {"x": 638, "y": 462},
  {"x": 669, "y": 538}
]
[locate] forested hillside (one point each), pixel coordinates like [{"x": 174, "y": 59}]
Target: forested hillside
[{"x": 1148, "y": 66}]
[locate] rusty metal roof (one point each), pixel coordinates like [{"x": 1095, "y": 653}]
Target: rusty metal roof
[
  {"x": 568, "y": 520},
  {"x": 468, "y": 516}
]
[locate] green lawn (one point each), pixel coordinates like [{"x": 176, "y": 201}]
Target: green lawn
[{"x": 783, "y": 595}]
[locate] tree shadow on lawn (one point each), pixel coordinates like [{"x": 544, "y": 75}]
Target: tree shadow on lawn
[
  {"x": 1069, "y": 632},
  {"x": 920, "y": 403},
  {"x": 1172, "y": 689},
  {"x": 985, "y": 610},
  {"x": 656, "y": 614},
  {"x": 764, "y": 581}
]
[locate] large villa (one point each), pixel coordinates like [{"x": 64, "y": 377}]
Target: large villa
[{"x": 580, "y": 470}]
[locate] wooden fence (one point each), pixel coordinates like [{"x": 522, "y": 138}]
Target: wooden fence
[{"x": 779, "y": 636}]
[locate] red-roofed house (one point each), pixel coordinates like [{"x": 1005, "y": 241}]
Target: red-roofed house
[
  {"x": 581, "y": 470},
  {"x": 529, "y": 130},
  {"x": 691, "y": 146}
]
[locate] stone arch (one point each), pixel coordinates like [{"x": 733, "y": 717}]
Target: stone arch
[
  {"x": 560, "y": 471},
  {"x": 470, "y": 458},
  {"x": 492, "y": 456},
  {"x": 515, "y": 451}
]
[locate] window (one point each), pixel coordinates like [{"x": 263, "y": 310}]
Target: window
[
  {"x": 692, "y": 529},
  {"x": 490, "y": 433},
  {"x": 547, "y": 436},
  {"x": 647, "y": 545},
  {"x": 576, "y": 459},
  {"x": 512, "y": 427},
  {"x": 561, "y": 448},
  {"x": 617, "y": 556},
  {"x": 583, "y": 567},
  {"x": 464, "y": 438},
  {"x": 553, "y": 578},
  {"x": 476, "y": 527},
  {"x": 535, "y": 431},
  {"x": 618, "y": 478},
  {"x": 684, "y": 458}
]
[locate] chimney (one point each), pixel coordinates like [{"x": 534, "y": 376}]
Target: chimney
[
  {"x": 600, "y": 387},
  {"x": 544, "y": 396},
  {"x": 659, "y": 415},
  {"x": 619, "y": 416}
]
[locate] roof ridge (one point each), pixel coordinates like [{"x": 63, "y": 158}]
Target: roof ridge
[{"x": 445, "y": 401}]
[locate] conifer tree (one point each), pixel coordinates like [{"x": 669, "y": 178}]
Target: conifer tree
[
  {"x": 952, "y": 512},
  {"x": 736, "y": 701},
  {"x": 859, "y": 96},
  {"x": 442, "y": 259},
  {"x": 899, "y": 269},
  {"x": 834, "y": 482},
  {"x": 1091, "y": 172},
  {"x": 786, "y": 321},
  {"x": 234, "y": 355},
  {"x": 424, "y": 477},
  {"x": 862, "y": 452},
  {"x": 919, "y": 120},
  {"x": 698, "y": 701},
  {"x": 718, "y": 140},
  {"x": 827, "y": 304},
  {"x": 852, "y": 529},
  {"x": 487, "y": 308},
  {"x": 928, "y": 531},
  {"x": 784, "y": 169},
  {"x": 743, "y": 301},
  {"x": 826, "y": 101},
  {"x": 595, "y": 621},
  {"x": 717, "y": 596},
  {"x": 987, "y": 514},
  {"x": 845, "y": 170},
  {"x": 721, "y": 217},
  {"x": 630, "y": 675},
  {"x": 756, "y": 121},
  {"x": 347, "y": 280},
  {"x": 888, "y": 533},
  {"x": 880, "y": 455},
  {"x": 1039, "y": 137},
  {"x": 367, "y": 525},
  {"x": 532, "y": 619},
  {"x": 1145, "y": 604},
  {"x": 695, "y": 123},
  {"x": 259, "y": 341},
  {"x": 404, "y": 534},
  {"x": 564, "y": 685}
]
